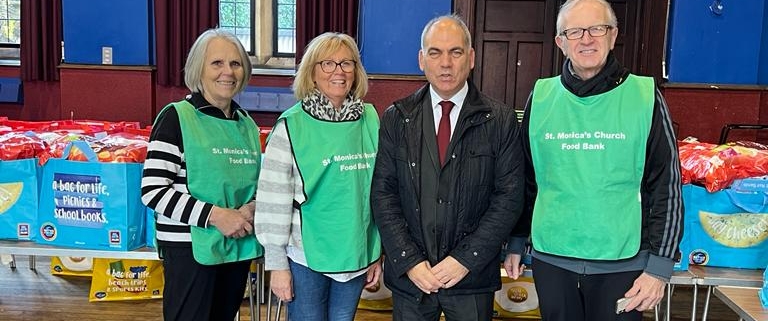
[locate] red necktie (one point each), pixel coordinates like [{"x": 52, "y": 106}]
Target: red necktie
[{"x": 444, "y": 130}]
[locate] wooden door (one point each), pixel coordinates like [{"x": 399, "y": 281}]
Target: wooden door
[{"x": 514, "y": 42}]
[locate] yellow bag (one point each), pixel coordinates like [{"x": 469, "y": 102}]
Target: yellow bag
[
  {"x": 75, "y": 266},
  {"x": 377, "y": 299},
  {"x": 516, "y": 299},
  {"x": 117, "y": 280}
]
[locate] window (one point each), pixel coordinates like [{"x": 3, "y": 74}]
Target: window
[
  {"x": 235, "y": 16},
  {"x": 10, "y": 29},
  {"x": 267, "y": 29},
  {"x": 285, "y": 40}
]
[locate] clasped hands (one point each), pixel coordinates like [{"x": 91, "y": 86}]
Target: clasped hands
[
  {"x": 233, "y": 223},
  {"x": 446, "y": 274}
]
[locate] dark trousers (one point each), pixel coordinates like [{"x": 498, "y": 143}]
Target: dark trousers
[
  {"x": 467, "y": 307},
  {"x": 201, "y": 292},
  {"x": 568, "y": 296}
]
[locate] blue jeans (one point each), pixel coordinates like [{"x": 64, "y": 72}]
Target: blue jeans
[{"x": 317, "y": 297}]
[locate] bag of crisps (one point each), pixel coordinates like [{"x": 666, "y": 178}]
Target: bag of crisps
[{"x": 118, "y": 280}]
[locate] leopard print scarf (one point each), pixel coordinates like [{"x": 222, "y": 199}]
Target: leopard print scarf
[{"x": 317, "y": 105}]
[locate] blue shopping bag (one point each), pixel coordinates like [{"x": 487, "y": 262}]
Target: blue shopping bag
[
  {"x": 149, "y": 230},
  {"x": 728, "y": 228},
  {"x": 18, "y": 199},
  {"x": 91, "y": 205},
  {"x": 764, "y": 290}
]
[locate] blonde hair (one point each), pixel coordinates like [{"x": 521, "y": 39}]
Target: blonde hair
[
  {"x": 323, "y": 46},
  {"x": 193, "y": 68}
]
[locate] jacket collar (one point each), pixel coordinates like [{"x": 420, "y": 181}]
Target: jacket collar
[
  {"x": 412, "y": 104},
  {"x": 201, "y": 104}
]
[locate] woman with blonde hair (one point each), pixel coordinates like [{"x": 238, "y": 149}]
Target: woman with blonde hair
[{"x": 313, "y": 211}]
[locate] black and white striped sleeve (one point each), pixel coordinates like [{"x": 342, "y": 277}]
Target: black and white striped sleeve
[{"x": 164, "y": 180}]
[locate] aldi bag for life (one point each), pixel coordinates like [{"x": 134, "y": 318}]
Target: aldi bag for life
[
  {"x": 727, "y": 228},
  {"x": 118, "y": 280},
  {"x": 19, "y": 199},
  {"x": 517, "y": 298},
  {"x": 764, "y": 290},
  {"x": 378, "y": 298},
  {"x": 71, "y": 265},
  {"x": 149, "y": 228},
  {"x": 89, "y": 204}
]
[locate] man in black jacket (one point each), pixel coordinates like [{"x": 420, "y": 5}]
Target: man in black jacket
[
  {"x": 603, "y": 178},
  {"x": 447, "y": 187}
]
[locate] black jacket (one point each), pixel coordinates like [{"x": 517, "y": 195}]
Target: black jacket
[{"x": 488, "y": 182}]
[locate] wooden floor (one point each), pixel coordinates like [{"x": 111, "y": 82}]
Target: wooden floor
[{"x": 37, "y": 295}]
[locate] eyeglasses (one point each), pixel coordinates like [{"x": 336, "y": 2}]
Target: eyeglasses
[
  {"x": 578, "y": 33},
  {"x": 329, "y": 66}
]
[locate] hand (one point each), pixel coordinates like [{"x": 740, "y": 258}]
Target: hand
[
  {"x": 281, "y": 284},
  {"x": 372, "y": 276},
  {"x": 229, "y": 222},
  {"x": 247, "y": 211},
  {"x": 646, "y": 293},
  {"x": 421, "y": 275},
  {"x": 449, "y": 271},
  {"x": 513, "y": 267}
]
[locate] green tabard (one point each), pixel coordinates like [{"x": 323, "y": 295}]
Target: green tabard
[
  {"x": 335, "y": 161},
  {"x": 223, "y": 161},
  {"x": 589, "y": 156}
]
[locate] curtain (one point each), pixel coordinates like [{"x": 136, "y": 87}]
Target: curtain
[
  {"x": 177, "y": 24},
  {"x": 316, "y": 17},
  {"x": 40, "y": 40}
]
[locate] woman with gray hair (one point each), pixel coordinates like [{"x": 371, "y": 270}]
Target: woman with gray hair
[
  {"x": 312, "y": 211},
  {"x": 200, "y": 177}
]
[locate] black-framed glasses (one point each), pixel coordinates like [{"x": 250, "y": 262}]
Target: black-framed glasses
[
  {"x": 578, "y": 33},
  {"x": 329, "y": 66}
]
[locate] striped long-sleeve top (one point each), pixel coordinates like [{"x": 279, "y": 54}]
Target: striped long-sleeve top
[{"x": 164, "y": 180}]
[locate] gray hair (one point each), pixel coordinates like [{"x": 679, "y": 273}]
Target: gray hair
[
  {"x": 568, "y": 5},
  {"x": 323, "y": 46},
  {"x": 456, "y": 20},
  {"x": 193, "y": 68}
]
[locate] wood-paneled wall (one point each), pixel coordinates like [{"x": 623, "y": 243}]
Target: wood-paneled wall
[{"x": 701, "y": 110}]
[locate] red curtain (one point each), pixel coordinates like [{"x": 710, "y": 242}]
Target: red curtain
[
  {"x": 40, "y": 40},
  {"x": 315, "y": 17},
  {"x": 177, "y": 25}
]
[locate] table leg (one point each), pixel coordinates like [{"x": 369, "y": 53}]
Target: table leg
[
  {"x": 279, "y": 308},
  {"x": 249, "y": 285},
  {"x": 262, "y": 284},
  {"x": 695, "y": 296},
  {"x": 706, "y": 304},
  {"x": 669, "y": 302},
  {"x": 260, "y": 289}
]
